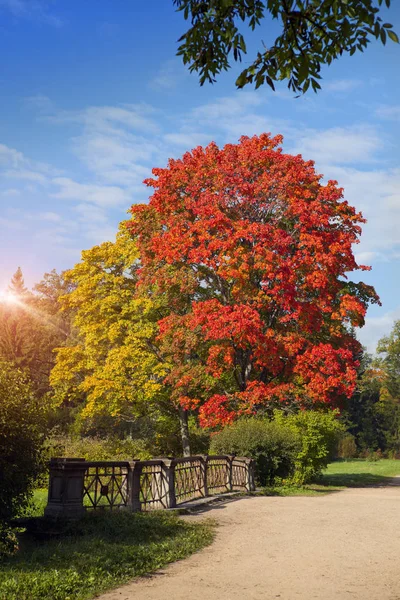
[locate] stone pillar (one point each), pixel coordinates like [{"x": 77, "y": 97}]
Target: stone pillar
[
  {"x": 168, "y": 483},
  {"x": 134, "y": 474},
  {"x": 250, "y": 475},
  {"x": 66, "y": 485},
  {"x": 229, "y": 473}
]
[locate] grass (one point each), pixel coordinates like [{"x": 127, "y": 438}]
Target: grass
[
  {"x": 340, "y": 475},
  {"x": 37, "y": 505},
  {"x": 360, "y": 472},
  {"x": 99, "y": 553}
]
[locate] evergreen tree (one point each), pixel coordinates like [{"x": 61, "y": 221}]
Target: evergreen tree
[{"x": 17, "y": 285}]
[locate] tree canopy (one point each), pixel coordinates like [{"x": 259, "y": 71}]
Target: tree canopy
[
  {"x": 251, "y": 253},
  {"x": 313, "y": 33},
  {"x": 111, "y": 364}
]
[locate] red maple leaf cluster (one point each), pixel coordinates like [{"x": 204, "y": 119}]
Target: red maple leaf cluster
[{"x": 252, "y": 253}]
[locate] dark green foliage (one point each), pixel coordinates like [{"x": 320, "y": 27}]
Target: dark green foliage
[
  {"x": 372, "y": 414},
  {"x": 313, "y": 34},
  {"x": 98, "y": 553},
  {"x": 273, "y": 446},
  {"x": 347, "y": 447},
  {"x": 21, "y": 440}
]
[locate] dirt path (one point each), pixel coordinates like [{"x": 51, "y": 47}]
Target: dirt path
[{"x": 345, "y": 545}]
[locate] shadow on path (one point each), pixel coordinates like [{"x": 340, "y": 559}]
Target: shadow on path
[{"x": 359, "y": 480}]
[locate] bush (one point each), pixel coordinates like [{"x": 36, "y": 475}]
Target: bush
[
  {"x": 347, "y": 446},
  {"x": 319, "y": 433},
  {"x": 374, "y": 456},
  {"x": 21, "y": 441},
  {"x": 273, "y": 446},
  {"x": 96, "y": 448},
  {"x": 8, "y": 542}
]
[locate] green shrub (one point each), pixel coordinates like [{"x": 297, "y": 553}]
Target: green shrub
[
  {"x": 96, "y": 448},
  {"x": 374, "y": 456},
  {"x": 347, "y": 447},
  {"x": 319, "y": 433},
  {"x": 21, "y": 441},
  {"x": 273, "y": 446},
  {"x": 8, "y": 542}
]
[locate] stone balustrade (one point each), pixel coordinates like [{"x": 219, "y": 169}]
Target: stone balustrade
[{"x": 77, "y": 485}]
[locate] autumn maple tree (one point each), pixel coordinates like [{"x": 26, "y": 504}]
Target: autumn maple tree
[{"x": 251, "y": 253}]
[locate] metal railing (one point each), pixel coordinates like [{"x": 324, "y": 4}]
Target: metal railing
[{"x": 77, "y": 485}]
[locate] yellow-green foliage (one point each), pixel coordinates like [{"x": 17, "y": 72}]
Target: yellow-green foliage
[
  {"x": 113, "y": 365},
  {"x": 318, "y": 432}
]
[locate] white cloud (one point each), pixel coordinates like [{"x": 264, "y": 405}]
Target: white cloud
[
  {"x": 377, "y": 327},
  {"x": 187, "y": 140},
  {"x": 377, "y": 194},
  {"x": 169, "y": 75},
  {"x": 11, "y": 224},
  {"x": 35, "y": 10},
  {"x": 227, "y": 118},
  {"x": 115, "y": 142},
  {"x": 40, "y": 103},
  {"x": 50, "y": 216},
  {"x": 339, "y": 145},
  {"x": 25, "y": 174},
  {"x": 11, "y": 192},
  {"x": 389, "y": 112},
  {"x": 227, "y": 106},
  {"x": 101, "y": 195},
  {"x": 97, "y": 234},
  {"x": 341, "y": 85},
  {"x": 10, "y": 156},
  {"x": 90, "y": 213}
]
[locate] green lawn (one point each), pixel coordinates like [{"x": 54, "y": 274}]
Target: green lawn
[
  {"x": 360, "y": 472},
  {"x": 98, "y": 553},
  {"x": 342, "y": 474},
  {"x": 38, "y": 503}
]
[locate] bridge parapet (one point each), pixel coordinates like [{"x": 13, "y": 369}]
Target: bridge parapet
[{"x": 77, "y": 485}]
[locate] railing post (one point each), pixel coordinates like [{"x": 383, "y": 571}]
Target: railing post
[
  {"x": 168, "y": 482},
  {"x": 250, "y": 475},
  {"x": 204, "y": 475},
  {"x": 229, "y": 473},
  {"x": 135, "y": 471},
  {"x": 66, "y": 488}
]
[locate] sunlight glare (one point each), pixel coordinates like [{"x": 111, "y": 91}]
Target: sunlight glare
[{"x": 8, "y": 298}]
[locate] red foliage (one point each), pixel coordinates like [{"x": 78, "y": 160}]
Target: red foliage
[{"x": 252, "y": 253}]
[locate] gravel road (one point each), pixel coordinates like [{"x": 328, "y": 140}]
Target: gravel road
[{"x": 344, "y": 545}]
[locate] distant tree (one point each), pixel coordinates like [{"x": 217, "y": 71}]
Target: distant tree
[
  {"x": 389, "y": 349},
  {"x": 313, "y": 34},
  {"x": 17, "y": 284},
  {"x": 17, "y": 344},
  {"x": 32, "y": 325},
  {"x": 373, "y": 411}
]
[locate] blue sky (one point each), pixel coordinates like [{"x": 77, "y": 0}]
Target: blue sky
[{"x": 92, "y": 97}]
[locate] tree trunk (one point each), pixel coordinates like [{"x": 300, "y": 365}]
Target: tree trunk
[{"x": 183, "y": 419}]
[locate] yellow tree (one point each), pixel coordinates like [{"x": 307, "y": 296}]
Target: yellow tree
[{"x": 112, "y": 363}]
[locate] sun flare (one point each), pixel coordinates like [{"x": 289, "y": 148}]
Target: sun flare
[{"x": 8, "y": 298}]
